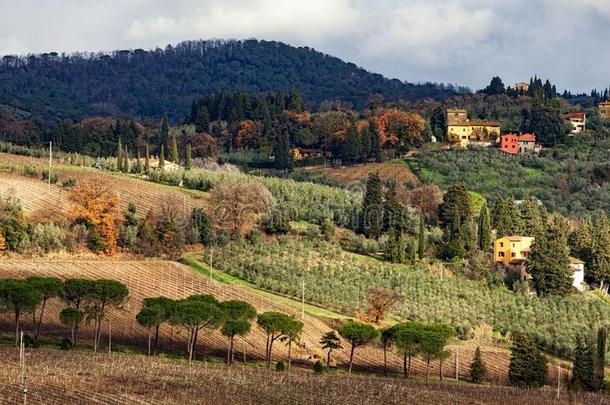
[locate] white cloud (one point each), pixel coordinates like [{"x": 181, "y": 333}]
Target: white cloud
[
  {"x": 429, "y": 33},
  {"x": 313, "y": 20}
]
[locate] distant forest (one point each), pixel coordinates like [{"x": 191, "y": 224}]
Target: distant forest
[{"x": 141, "y": 84}]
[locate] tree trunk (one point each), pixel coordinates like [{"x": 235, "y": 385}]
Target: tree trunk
[
  {"x": 196, "y": 337},
  {"x": 328, "y": 358},
  {"x": 190, "y": 346},
  {"x": 149, "y": 342},
  {"x": 404, "y": 366},
  {"x": 351, "y": 359},
  {"x": 440, "y": 369},
  {"x": 17, "y": 315},
  {"x": 244, "y": 349},
  {"x": 427, "y": 369},
  {"x": 39, "y": 324},
  {"x": 230, "y": 351},
  {"x": 409, "y": 367},
  {"x": 270, "y": 353},
  {"x": 267, "y": 351},
  {"x": 385, "y": 360},
  {"x": 156, "y": 340},
  {"x": 72, "y": 335},
  {"x": 289, "y": 353}
]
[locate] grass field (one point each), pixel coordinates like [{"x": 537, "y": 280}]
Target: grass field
[{"x": 56, "y": 377}]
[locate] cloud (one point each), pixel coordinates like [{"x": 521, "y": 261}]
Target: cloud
[
  {"x": 454, "y": 41},
  {"x": 429, "y": 33},
  {"x": 312, "y": 20}
]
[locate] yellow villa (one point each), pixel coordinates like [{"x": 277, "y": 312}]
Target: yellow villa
[
  {"x": 461, "y": 131},
  {"x": 604, "y": 110},
  {"x": 512, "y": 250}
]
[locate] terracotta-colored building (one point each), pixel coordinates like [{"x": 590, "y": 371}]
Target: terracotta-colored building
[{"x": 514, "y": 144}]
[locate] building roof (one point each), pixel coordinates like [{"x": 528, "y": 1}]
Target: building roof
[
  {"x": 576, "y": 115},
  {"x": 483, "y": 123},
  {"x": 607, "y": 102},
  {"x": 518, "y": 138},
  {"x": 574, "y": 260}
]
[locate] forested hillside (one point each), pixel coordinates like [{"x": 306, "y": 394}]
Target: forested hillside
[{"x": 140, "y": 83}]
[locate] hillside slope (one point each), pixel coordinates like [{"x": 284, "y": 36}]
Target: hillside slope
[
  {"x": 157, "y": 277},
  {"x": 148, "y": 83}
]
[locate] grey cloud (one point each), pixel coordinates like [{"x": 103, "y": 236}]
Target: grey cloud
[{"x": 453, "y": 41}]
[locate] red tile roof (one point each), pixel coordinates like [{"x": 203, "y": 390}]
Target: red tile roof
[{"x": 576, "y": 115}]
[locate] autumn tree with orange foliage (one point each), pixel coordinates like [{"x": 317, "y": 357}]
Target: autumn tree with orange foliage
[
  {"x": 381, "y": 301},
  {"x": 249, "y": 134},
  {"x": 96, "y": 206},
  {"x": 426, "y": 199},
  {"x": 238, "y": 207},
  {"x": 399, "y": 128}
]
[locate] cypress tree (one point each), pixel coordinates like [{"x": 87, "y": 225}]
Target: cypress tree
[
  {"x": 375, "y": 145},
  {"x": 174, "y": 157},
  {"x": 583, "y": 371},
  {"x": 281, "y": 151},
  {"x": 365, "y": 145},
  {"x": 477, "y": 371},
  {"x": 147, "y": 160},
  {"x": 599, "y": 270},
  {"x": 202, "y": 120},
  {"x": 119, "y": 156},
  {"x": 138, "y": 162},
  {"x": 352, "y": 150},
  {"x": 484, "y": 229},
  {"x": 162, "y": 158},
  {"x": 188, "y": 160},
  {"x": 581, "y": 242},
  {"x": 164, "y": 132},
  {"x": 421, "y": 238},
  {"x": 532, "y": 217},
  {"x": 600, "y": 358},
  {"x": 548, "y": 263},
  {"x": 125, "y": 161},
  {"x": 505, "y": 218},
  {"x": 391, "y": 208},
  {"x": 372, "y": 210},
  {"x": 528, "y": 366}
]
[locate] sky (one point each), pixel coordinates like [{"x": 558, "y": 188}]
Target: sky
[{"x": 463, "y": 42}]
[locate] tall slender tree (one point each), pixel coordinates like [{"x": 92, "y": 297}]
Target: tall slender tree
[
  {"x": 484, "y": 229},
  {"x": 372, "y": 209}
]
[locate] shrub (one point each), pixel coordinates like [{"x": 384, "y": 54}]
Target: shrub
[
  {"x": 280, "y": 366},
  {"x": 318, "y": 367},
  {"x": 68, "y": 182},
  {"x": 66, "y": 344},
  {"x": 48, "y": 237}
]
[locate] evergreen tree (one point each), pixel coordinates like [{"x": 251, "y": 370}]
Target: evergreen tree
[
  {"x": 126, "y": 167},
  {"x": 532, "y": 217},
  {"x": 599, "y": 269},
  {"x": 162, "y": 158},
  {"x": 352, "y": 150},
  {"x": 375, "y": 144},
  {"x": 138, "y": 162},
  {"x": 365, "y": 145},
  {"x": 164, "y": 131},
  {"x": 281, "y": 151},
  {"x": 600, "y": 359},
  {"x": 188, "y": 162},
  {"x": 421, "y": 238},
  {"x": 147, "y": 160},
  {"x": 528, "y": 366},
  {"x": 174, "y": 157},
  {"x": 202, "y": 120},
  {"x": 392, "y": 209},
  {"x": 581, "y": 242},
  {"x": 583, "y": 371},
  {"x": 372, "y": 209},
  {"x": 457, "y": 220},
  {"x": 477, "y": 371},
  {"x": 484, "y": 229},
  {"x": 119, "y": 156},
  {"x": 505, "y": 218},
  {"x": 548, "y": 263}
]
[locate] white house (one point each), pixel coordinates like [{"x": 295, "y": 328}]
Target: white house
[{"x": 578, "y": 276}]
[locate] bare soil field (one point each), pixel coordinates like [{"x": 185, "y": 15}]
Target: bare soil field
[
  {"x": 355, "y": 176},
  {"x": 56, "y": 377}
]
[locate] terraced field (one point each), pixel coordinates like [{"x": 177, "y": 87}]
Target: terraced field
[
  {"x": 35, "y": 194},
  {"x": 56, "y": 377},
  {"x": 174, "y": 280},
  {"x": 355, "y": 176}
]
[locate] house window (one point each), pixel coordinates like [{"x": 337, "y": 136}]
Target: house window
[
  {"x": 501, "y": 254},
  {"x": 513, "y": 254},
  {"x": 501, "y": 244}
]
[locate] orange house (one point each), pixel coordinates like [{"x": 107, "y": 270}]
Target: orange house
[{"x": 513, "y": 144}]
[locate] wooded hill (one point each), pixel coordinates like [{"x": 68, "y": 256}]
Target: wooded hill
[{"x": 141, "y": 83}]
